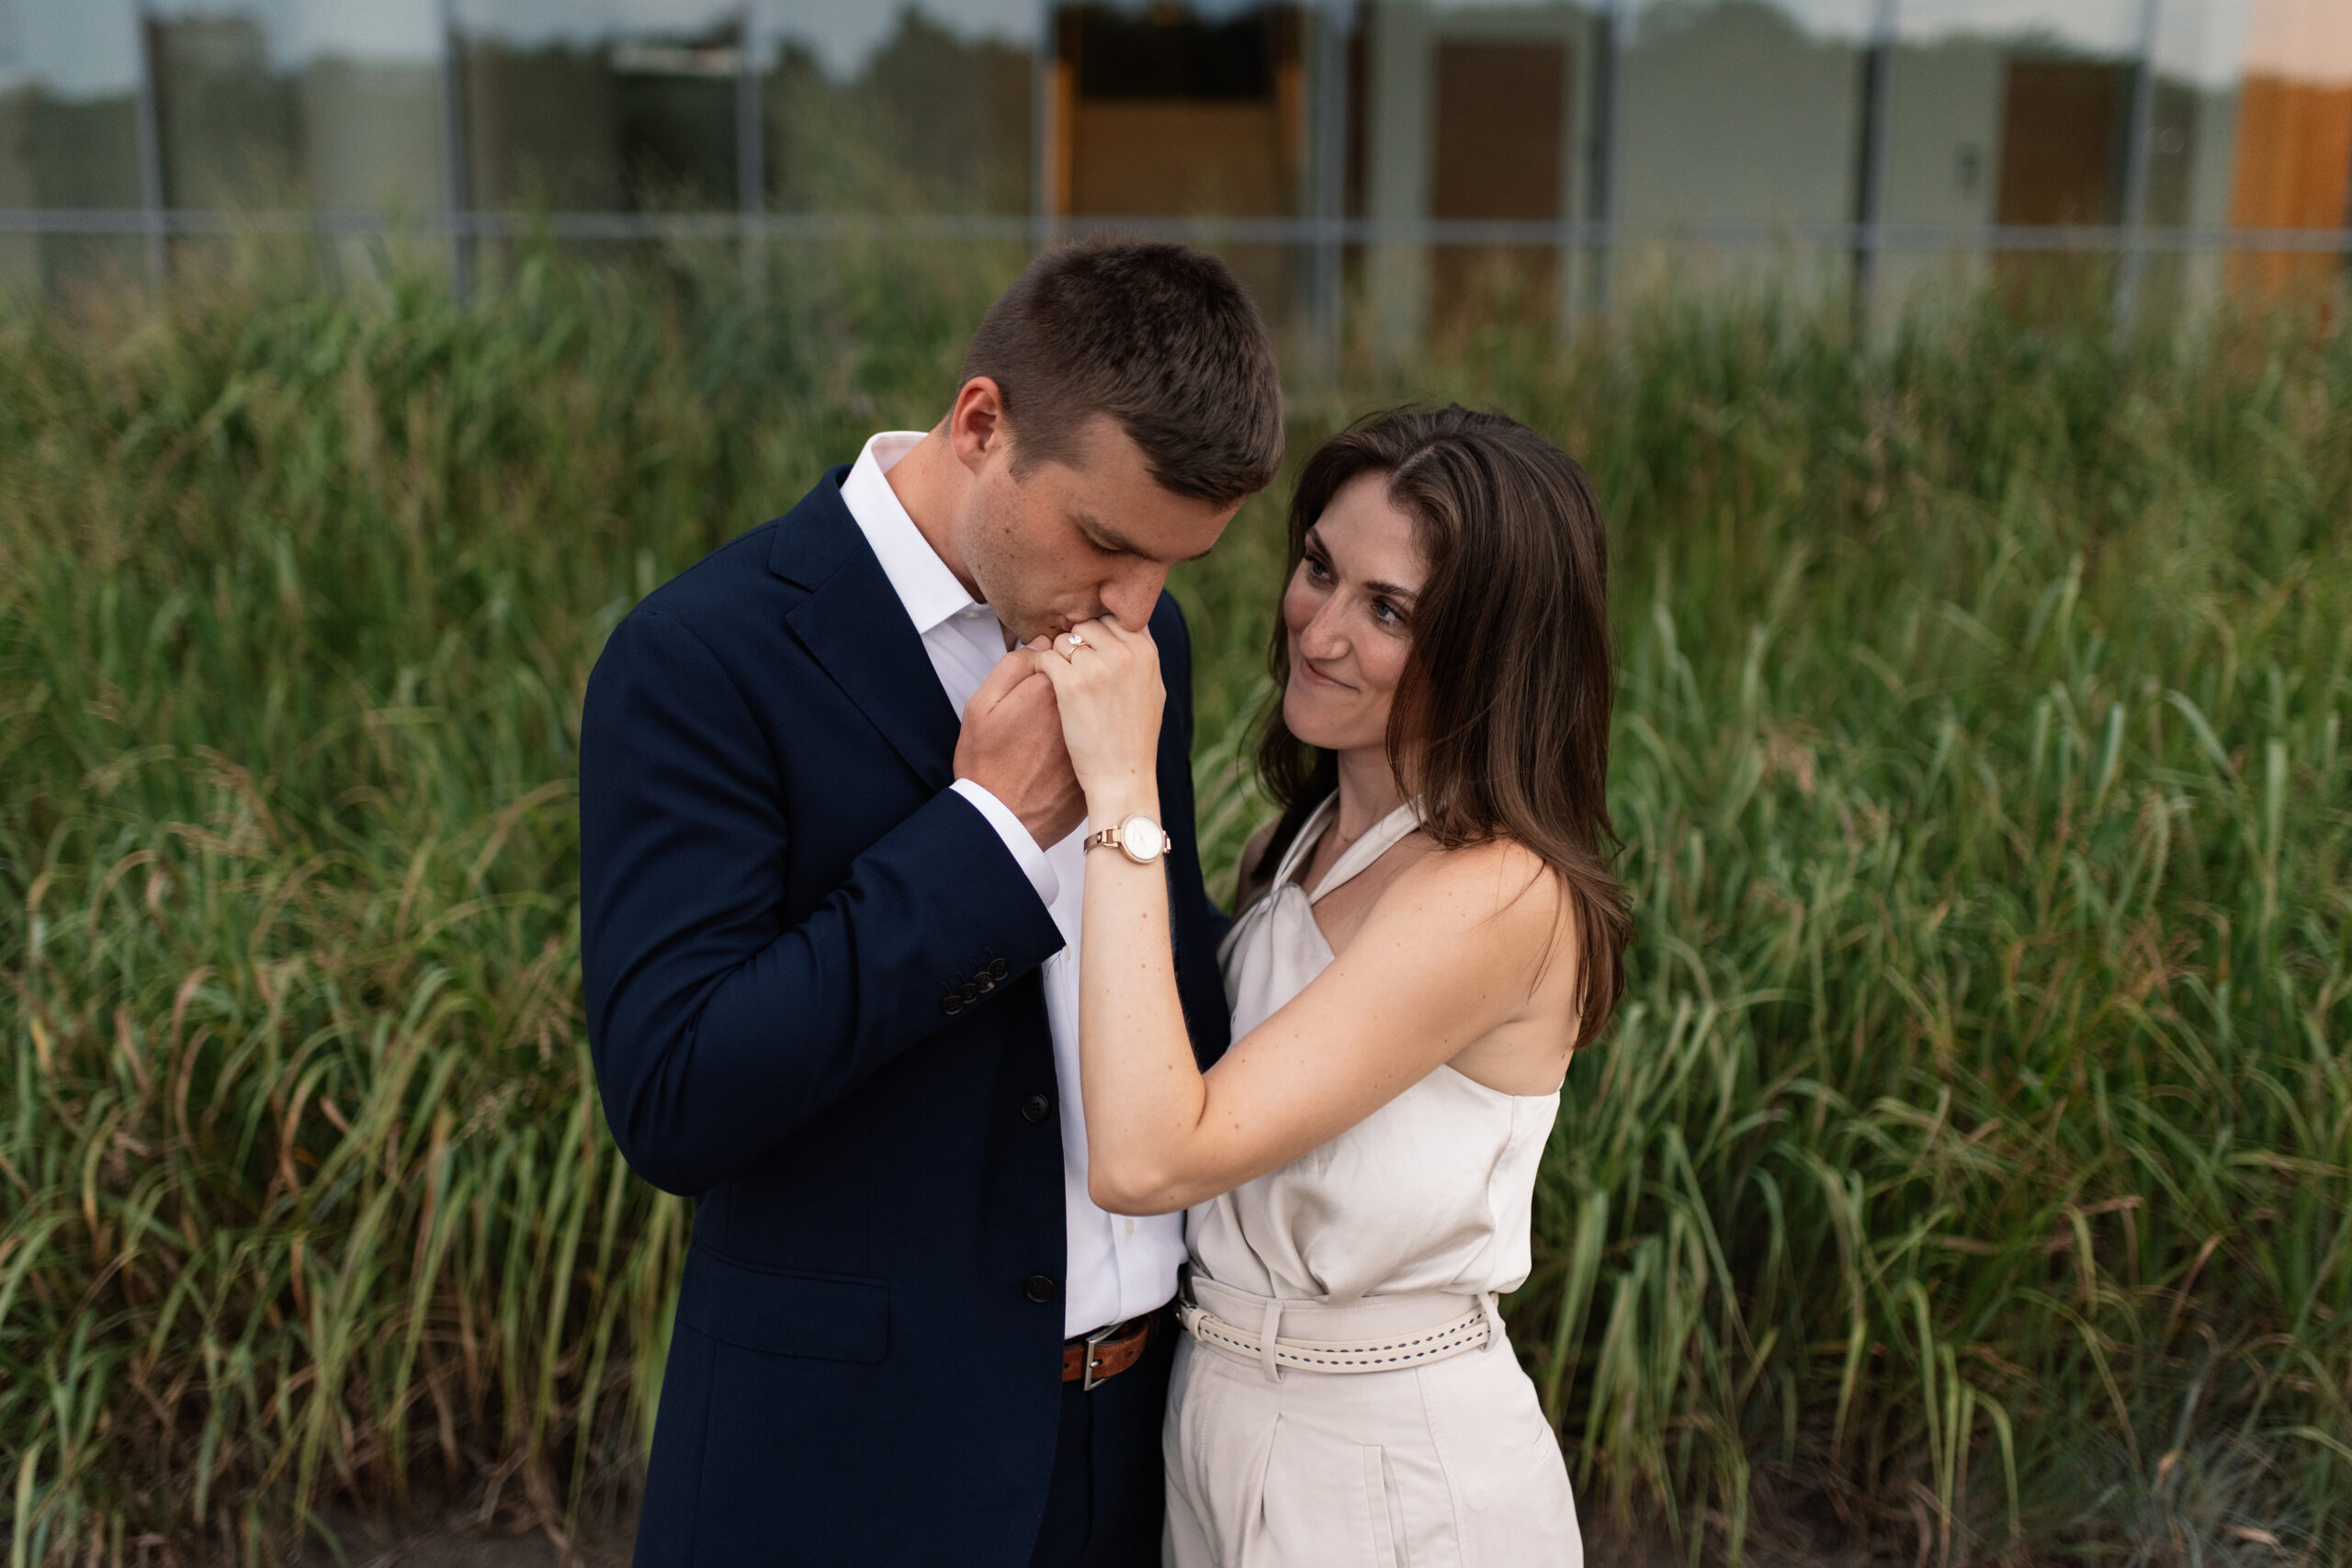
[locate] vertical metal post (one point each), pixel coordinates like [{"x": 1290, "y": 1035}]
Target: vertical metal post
[
  {"x": 1601, "y": 184},
  {"x": 1328, "y": 143},
  {"x": 2136, "y": 154},
  {"x": 1870, "y": 192},
  {"x": 151, "y": 147},
  {"x": 1044, "y": 130},
  {"x": 456, "y": 203},
  {"x": 750, "y": 145}
]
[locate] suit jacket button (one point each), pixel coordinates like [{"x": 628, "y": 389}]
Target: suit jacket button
[
  {"x": 1036, "y": 1107},
  {"x": 1038, "y": 1287},
  {"x": 950, "y": 1004},
  {"x": 999, "y": 969},
  {"x": 971, "y": 991}
]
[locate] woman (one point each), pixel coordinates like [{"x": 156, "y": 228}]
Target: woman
[{"x": 1435, "y": 928}]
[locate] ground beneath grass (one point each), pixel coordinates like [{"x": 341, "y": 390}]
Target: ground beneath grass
[{"x": 459, "y": 1540}]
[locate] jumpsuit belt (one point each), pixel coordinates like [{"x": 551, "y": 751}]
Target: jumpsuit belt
[{"x": 1375, "y": 1334}]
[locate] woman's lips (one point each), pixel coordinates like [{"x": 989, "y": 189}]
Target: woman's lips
[{"x": 1316, "y": 677}]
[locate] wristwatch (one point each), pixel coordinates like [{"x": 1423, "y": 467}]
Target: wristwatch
[{"x": 1138, "y": 837}]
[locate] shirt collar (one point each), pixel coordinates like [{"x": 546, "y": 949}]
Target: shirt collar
[{"x": 924, "y": 585}]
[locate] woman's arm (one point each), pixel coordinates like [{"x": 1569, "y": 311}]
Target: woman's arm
[{"x": 1449, "y": 951}]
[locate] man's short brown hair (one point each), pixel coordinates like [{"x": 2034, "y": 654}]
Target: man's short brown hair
[{"x": 1156, "y": 335}]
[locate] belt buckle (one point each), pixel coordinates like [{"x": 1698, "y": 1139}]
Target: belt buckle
[{"x": 1094, "y": 1342}]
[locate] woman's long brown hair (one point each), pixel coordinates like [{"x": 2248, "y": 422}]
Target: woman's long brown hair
[{"x": 1500, "y": 725}]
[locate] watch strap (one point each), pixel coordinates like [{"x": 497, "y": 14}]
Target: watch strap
[{"x": 1115, "y": 837}]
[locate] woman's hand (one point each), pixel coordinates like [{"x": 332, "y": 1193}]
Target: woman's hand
[{"x": 1106, "y": 680}]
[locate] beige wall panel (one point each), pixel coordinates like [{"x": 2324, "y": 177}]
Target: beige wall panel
[{"x": 1736, "y": 115}]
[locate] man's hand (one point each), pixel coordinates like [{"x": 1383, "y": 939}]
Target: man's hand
[{"x": 1011, "y": 746}]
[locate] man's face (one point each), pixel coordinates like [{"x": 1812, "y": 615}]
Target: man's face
[{"x": 1069, "y": 541}]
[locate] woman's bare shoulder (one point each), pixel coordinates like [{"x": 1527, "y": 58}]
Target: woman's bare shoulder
[{"x": 1500, "y": 884}]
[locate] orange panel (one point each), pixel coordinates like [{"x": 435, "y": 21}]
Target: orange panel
[
  {"x": 1138, "y": 157},
  {"x": 2294, "y": 169}
]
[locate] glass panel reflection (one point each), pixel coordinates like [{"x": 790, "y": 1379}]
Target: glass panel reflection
[
  {"x": 1177, "y": 110},
  {"x": 1183, "y": 111},
  {"x": 626, "y": 105},
  {"x": 69, "y": 136},
  {"x": 1740, "y": 114},
  {"x": 910, "y": 108},
  {"x": 2293, "y": 158},
  {"x": 226, "y": 112},
  {"x": 2018, "y": 112},
  {"x": 1502, "y": 107},
  {"x": 1470, "y": 113},
  {"x": 286, "y": 104}
]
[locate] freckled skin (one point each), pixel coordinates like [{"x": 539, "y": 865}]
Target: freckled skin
[{"x": 1445, "y": 978}]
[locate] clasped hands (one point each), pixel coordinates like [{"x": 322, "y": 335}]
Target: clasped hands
[{"x": 1068, "y": 727}]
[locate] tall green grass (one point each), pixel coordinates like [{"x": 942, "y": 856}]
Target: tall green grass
[{"x": 1966, "y": 1177}]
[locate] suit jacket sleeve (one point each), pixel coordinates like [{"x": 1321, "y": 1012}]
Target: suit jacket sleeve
[{"x": 719, "y": 1030}]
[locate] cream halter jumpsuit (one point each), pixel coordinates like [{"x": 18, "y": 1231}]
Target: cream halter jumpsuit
[{"x": 1346, "y": 1394}]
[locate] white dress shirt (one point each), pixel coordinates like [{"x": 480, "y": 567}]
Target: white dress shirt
[{"x": 1117, "y": 1267}]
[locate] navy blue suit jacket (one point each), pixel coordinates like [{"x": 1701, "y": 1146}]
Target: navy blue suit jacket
[{"x": 813, "y": 998}]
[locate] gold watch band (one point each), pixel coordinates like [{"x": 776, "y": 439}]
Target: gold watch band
[{"x": 1149, "y": 845}]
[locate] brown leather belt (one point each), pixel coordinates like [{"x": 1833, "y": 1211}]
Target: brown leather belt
[{"x": 1106, "y": 1353}]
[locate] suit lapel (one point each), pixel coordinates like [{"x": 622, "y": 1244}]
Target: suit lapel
[{"x": 853, "y": 623}]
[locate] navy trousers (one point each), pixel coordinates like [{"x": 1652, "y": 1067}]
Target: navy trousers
[{"x": 1109, "y": 1491}]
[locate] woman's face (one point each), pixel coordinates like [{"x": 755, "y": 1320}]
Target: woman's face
[{"x": 1350, "y": 610}]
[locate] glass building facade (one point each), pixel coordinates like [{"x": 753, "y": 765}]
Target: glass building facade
[{"x": 1381, "y": 168}]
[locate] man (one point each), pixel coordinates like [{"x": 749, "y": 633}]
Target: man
[{"x": 829, "y": 944}]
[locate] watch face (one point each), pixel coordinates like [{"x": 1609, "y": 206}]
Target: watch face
[{"x": 1143, "y": 839}]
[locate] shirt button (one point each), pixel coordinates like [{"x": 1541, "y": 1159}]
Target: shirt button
[
  {"x": 1038, "y": 1287},
  {"x": 1036, "y": 1107}
]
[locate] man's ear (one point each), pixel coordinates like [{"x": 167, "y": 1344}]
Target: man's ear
[{"x": 976, "y": 425}]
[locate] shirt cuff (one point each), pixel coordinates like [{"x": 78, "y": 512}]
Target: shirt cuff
[{"x": 1016, "y": 839}]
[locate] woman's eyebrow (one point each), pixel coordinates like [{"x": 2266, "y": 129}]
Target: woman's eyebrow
[{"x": 1314, "y": 542}]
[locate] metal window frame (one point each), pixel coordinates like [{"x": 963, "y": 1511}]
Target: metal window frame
[
  {"x": 1335, "y": 25},
  {"x": 1324, "y": 230},
  {"x": 1870, "y": 201},
  {"x": 456, "y": 155},
  {"x": 750, "y": 141},
  {"x": 502, "y": 224},
  {"x": 2130, "y": 264},
  {"x": 1609, "y": 27},
  {"x": 150, "y": 134}
]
